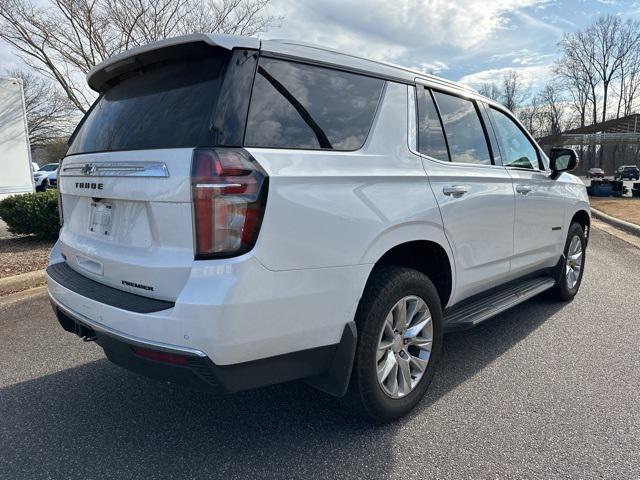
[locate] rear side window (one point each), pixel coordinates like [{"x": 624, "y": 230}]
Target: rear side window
[
  {"x": 166, "y": 105},
  {"x": 465, "y": 135},
  {"x": 295, "y": 105},
  {"x": 516, "y": 149},
  {"x": 431, "y": 140}
]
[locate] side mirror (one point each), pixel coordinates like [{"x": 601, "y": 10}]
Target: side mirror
[{"x": 563, "y": 159}]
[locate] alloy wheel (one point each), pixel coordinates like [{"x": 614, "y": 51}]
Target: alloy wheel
[
  {"x": 404, "y": 346},
  {"x": 574, "y": 262}
]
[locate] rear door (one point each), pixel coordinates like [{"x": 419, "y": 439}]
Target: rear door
[
  {"x": 475, "y": 195},
  {"x": 539, "y": 219},
  {"x": 126, "y": 183}
]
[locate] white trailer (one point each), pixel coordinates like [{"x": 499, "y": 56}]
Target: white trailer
[{"x": 16, "y": 175}]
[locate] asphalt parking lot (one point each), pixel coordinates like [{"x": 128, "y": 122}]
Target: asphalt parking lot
[{"x": 545, "y": 390}]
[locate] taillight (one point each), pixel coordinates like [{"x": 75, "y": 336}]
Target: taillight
[
  {"x": 60, "y": 212},
  {"x": 229, "y": 196}
]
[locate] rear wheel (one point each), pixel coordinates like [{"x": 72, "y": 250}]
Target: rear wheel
[
  {"x": 399, "y": 323},
  {"x": 572, "y": 264}
]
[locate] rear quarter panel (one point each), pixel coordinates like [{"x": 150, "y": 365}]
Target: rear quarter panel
[{"x": 329, "y": 209}]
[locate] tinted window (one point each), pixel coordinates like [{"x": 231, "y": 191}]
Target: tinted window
[
  {"x": 515, "y": 147},
  {"x": 430, "y": 136},
  {"x": 50, "y": 167},
  {"x": 462, "y": 126},
  {"x": 166, "y": 105},
  {"x": 304, "y": 106}
]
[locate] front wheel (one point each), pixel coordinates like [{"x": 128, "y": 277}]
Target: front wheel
[
  {"x": 572, "y": 264},
  {"x": 399, "y": 322}
]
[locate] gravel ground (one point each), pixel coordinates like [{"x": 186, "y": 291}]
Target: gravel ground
[
  {"x": 22, "y": 254},
  {"x": 546, "y": 390}
]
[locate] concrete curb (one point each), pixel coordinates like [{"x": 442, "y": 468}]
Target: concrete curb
[
  {"x": 24, "y": 281},
  {"x": 628, "y": 227},
  {"x": 19, "y": 296}
]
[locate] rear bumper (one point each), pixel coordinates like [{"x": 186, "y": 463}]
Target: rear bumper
[
  {"x": 252, "y": 326},
  {"x": 234, "y": 310},
  {"x": 327, "y": 368}
]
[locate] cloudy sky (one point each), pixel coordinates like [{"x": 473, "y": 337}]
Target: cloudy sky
[{"x": 473, "y": 41}]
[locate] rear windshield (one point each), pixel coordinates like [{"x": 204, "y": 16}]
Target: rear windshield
[{"x": 167, "y": 105}]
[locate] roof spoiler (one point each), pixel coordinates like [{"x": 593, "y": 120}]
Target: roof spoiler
[{"x": 99, "y": 76}]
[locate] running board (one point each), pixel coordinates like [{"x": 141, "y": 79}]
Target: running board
[{"x": 470, "y": 313}]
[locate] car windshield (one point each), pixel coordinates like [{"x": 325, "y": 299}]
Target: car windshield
[{"x": 49, "y": 167}]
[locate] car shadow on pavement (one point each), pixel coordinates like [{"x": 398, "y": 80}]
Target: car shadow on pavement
[{"x": 100, "y": 421}]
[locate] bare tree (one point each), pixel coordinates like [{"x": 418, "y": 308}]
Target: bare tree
[
  {"x": 531, "y": 116},
  {"x": 629, "y": 84},
  {"x": 579, "y": 81},
  {"x": 514, "y": 92},
  {"x": 50, "y": 114},
  {"x": 577, "y": 65},
  {"x": 614, "y": 41},
  {"x": 597, "y": 57},
  {"x": 64, "y": 39},
  {"x": 553, "y": 108},
  {"x": 490, "y": 90}
]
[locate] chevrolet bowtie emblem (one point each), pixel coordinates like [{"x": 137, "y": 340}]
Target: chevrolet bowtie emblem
[{"x": 89, "y": 168}]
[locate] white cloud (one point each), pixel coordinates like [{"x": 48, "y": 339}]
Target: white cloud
[
  {"x": 532, "y": 76},
  {"x": 431, "y": 67},
  {"x": 386, "y": 30},
  {"x": 524, "y": 57}
]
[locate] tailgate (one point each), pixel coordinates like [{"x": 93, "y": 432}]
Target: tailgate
[{"x": 128, "y": 219}]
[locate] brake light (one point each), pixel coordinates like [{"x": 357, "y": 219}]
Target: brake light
[
  {"x": 60, "y": 212},
  {"x": 229, "y": 196}
]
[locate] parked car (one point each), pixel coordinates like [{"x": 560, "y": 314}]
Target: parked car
[
  {"x": 595, "y": 173},
  {"x": 320, "y": 216},
  {"x": 45, "y": 176},
  {"x": 630, "y": 172}
]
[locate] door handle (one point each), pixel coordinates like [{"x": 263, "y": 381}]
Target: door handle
[
  {"x": 523, "y": 189},
  {"x": 455, "y": 190}
]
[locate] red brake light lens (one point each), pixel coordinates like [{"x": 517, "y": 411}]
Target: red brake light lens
[
  {"x": 60, "y": 211},
  {"x": 229, "y": 196}
]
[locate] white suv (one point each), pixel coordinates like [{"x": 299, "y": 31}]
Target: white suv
[
  {"x": 45, "y": 177},
  {"x": 238, "y": 213}
]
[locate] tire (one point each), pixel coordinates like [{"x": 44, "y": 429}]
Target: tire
[
  {"x": 387, "y": 288},
  {"x": 44, "y": 185},
  {"x": 562, "y": 289}
]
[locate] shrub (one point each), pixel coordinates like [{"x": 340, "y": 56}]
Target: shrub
[{"x": 32, "y": 213}]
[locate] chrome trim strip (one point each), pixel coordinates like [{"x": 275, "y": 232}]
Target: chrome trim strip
[
  {"x": 140, "y": 342},
  {"x": 115, "y": 169}
]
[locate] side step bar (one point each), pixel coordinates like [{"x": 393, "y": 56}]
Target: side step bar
[{"x": 470, "y": 313}]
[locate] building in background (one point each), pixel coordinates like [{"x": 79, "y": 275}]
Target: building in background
[
  {"x": 606, "y": 145},
  {"x": 16, "y": 175}
]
